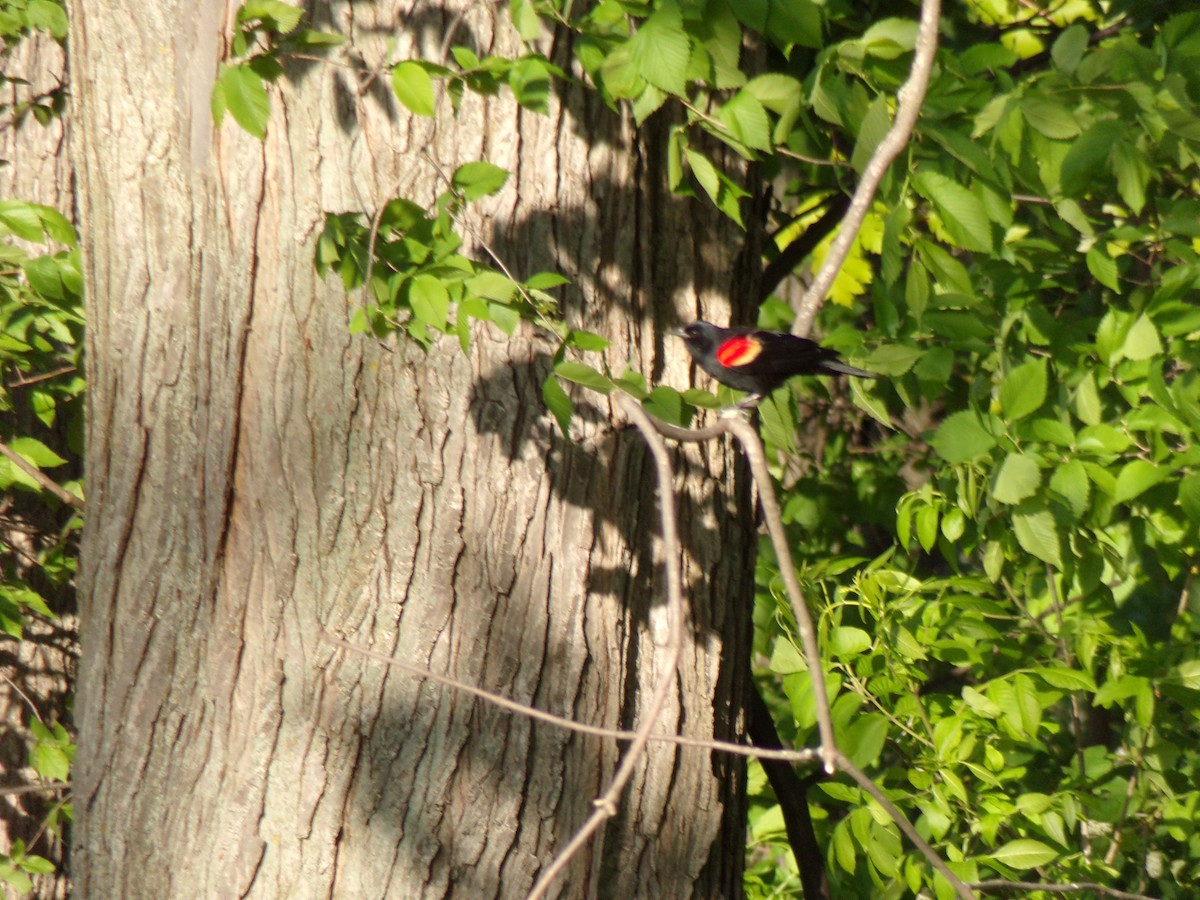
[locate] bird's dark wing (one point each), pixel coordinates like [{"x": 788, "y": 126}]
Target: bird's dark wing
[{"x": 784, "y": 355}]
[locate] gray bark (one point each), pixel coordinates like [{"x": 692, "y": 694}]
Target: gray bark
[{"x": 259, "y": 479}]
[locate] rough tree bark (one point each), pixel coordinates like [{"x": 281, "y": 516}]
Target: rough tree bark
[
  {"x": 35, "y": 672},
  {"x": 258, "y": 479}
]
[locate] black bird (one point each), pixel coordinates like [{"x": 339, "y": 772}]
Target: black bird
[{"x": 757, "y": 362}]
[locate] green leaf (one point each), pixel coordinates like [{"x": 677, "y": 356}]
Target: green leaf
[
  {"x": 776, "y": 91},
  {"x": 1133, "y": 175},
  {"x": 1051, "y": 119},
  {"x": 1087, "y": 400},
  {"x": 36, "y": 453},
  {"x": 1103, "y": 268},
  {"x": 1018, "y": 479},
  {"x": 1189, "y": 496},
  {"x": 667, "y": 404},
  {"x": 1023, "y": 389},
  {"x": 47, "y": 16},
  {"x": 1187, "y": 674},
  {"x": 1024, "y": 853},
  {"x": 492, "y": 285},
  {"x": 525, "y": 19},
  {"x": 869, "y": 403},
  {"x": 558, "y": 403},
  {"x": 846, "y": 642},
  {"x": 1069, "y": 47},
  {"x": 282, "y": 16},
  {"x": 50, "y": 761},
  {"x": 962, "y": 438},
  {"x": 37, "y": 865},
  {"x": 1037, "y": 534},
  {"x": 1142, "y": 341},
  {"x": 961, "y": 211},
  {"x": 865, "y": 739},
  {"x": 479, "y": 179},
  {"x": 792, "y": 22},
  {"x": 586, "y": 340},
  {"x": 504, "y": 316},
  {"x": 660, "y": 50},
  {"x": 747, "y": 121},
  {"x": 544, "y": 281},
  {"x": 529, "y": 80},
  {"x": 22, "y": 219},
  {"x": 874, "y": 127},
  {"x": 1136, "y": 477},
  {"x": 414, "y": 88},
  {"x": 583, "y": 374},
  {"x": 1067, "y": 679},
  {"x": 1070, "y": 480},
  {"x": 893, "y": 359},
  {"x": 242, "y": 92},
  {"x": 705, "y": 172},
  {"x": 1085, "y": 167}
]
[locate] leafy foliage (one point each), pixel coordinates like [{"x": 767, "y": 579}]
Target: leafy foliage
[
  {"x": 1000, "y": 534},
  {"x": 267, "y": 35},
  {"x": 41, "y": 392}
]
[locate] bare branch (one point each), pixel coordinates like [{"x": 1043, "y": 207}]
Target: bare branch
[
  {"x": 17, "y": 789},
  {"x": 523, "y": 709},
  {"x": 747, "y": 436},
  {"x": 911, "y": 96},
  {"x": 40, "y": 477},
  {"x": 672, "y": 550}
]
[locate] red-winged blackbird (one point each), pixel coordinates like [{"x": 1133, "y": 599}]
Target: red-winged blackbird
[{"x": 757, "y": 362}]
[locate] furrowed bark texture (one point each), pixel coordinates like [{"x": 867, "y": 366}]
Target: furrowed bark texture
[
  {"x": 258, "y": 478},
  {"x": 36, "y": 671}
]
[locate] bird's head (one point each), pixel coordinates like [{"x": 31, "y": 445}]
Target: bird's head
[{"x": 700, "y": 336}]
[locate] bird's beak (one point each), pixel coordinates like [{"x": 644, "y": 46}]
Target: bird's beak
[{"x": 678, "y": 332}]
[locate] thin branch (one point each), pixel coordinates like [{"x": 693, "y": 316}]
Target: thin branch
[
  {"x": 999, "y": 884},
  {"x": 523, "y": 709},
  {"x": 43, "y": 376},
  {"x": 53, "y": 787},
  {"x": 898, "y": 817},
  {"x": 606, "y": 804},
  {"x": 45, "y": 482},
  {"x": 911, "y": 96},
  {"x": 32, "y": 708},
  {"x": 748, "y": 437}
]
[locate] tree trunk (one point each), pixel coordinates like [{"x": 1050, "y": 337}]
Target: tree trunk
[{"x": 260, "y": 480}]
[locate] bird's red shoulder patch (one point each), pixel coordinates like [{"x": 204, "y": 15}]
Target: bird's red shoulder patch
[{"x": 737, "y": 351}]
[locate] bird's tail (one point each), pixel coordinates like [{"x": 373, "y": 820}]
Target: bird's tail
[{"x": 837, "y": 367}]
